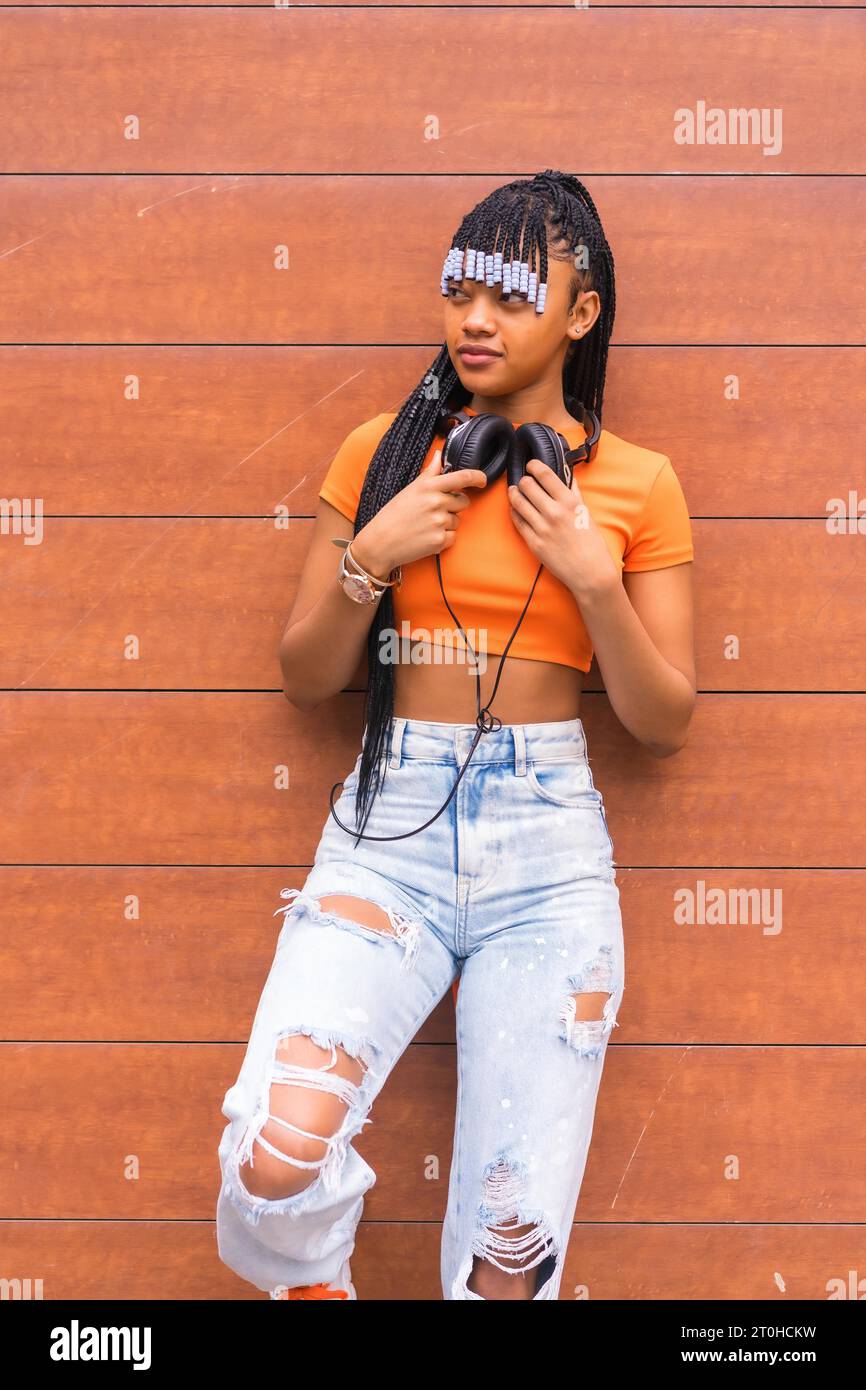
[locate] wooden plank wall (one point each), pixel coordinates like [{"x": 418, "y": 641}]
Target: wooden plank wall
[{"x": 165, "y": 388}]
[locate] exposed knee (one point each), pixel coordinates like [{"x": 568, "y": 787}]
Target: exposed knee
[
  {"x": 516, "y": 1281},
  {"x": 512, "y": 1256},
  {"x": 289, "y": 1149}
]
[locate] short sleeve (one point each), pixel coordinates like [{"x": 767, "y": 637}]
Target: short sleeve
[
  {"x": 663, "y": 533},
  {"x": 344, "y": 479}
]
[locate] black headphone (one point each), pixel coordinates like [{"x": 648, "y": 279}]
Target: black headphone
[{"x": 491, "y": 443}]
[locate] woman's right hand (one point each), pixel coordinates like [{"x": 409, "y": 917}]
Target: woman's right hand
[{"x": 422, "y": 518}]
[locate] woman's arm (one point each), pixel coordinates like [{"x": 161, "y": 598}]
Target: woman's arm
[
  {"x": 640, "y": 622},
  {"x": 642, "y": 630},
  {"x": 326, "y": 633}
]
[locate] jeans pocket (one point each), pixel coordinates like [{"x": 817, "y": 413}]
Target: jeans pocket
[{"x": 564, "y": 782}]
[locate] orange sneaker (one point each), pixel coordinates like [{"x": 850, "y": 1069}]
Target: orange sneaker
[{"x": 341, "y": 1287}]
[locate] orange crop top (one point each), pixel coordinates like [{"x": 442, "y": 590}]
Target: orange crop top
[{"x": 633, "y": 496}]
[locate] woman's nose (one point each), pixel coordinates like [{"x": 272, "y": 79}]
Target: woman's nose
[{"x": 479, "y": 319}]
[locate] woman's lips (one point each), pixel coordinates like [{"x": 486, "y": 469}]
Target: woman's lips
[{"x": 479, "y": 359}]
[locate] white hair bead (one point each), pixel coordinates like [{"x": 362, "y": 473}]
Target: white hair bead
[
  {"x": 515, "y": 276},
  {"x": 451, "y": 268}
]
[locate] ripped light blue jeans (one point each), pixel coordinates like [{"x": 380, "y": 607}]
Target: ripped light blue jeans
[{"x": 513, "y": 888}]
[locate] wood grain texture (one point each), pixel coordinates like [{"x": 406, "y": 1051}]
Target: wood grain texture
[
  {"x": 242, "y": 431},
  {"x": 189, "y": 778},
  {"x": 671, "y": 1123},
  {"x": 177, "y": 259},
  {"x": 355, "y": 89},
  {"x": 140, "y": 954},
  {"x": 778, "y": 605},
  {"x": 468, "y": 5},
  {"x": 399, "y": 1260},
  {"x": 165, "y": 390}
]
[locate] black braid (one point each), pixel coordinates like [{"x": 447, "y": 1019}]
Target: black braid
[{"x": 529, "y": 219}]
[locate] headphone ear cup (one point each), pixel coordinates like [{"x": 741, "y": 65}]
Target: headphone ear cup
[
  {"x": 537, "y": 441},
  {"x": 481, "y": 441}
]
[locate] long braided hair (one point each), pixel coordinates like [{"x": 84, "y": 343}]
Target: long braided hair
[{"x": 530, "y": 219}]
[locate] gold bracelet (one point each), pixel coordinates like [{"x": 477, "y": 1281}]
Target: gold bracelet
[{"x": 395, "y": 576}]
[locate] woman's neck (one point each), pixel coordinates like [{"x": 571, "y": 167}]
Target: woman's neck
[{"x": 516, "y": 408}]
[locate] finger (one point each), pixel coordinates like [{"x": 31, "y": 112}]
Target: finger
[
  {"x": 521, "y": 506},
  {"x": 532, "y": 491},
  {"x": 546, "y": 477},
  {"x": 435, "y": 464},
  {"x": 463, "y": 477},
  {"x": 522, "y": 526}
]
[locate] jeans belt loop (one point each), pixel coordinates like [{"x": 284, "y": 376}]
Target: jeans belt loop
[
  {"x": 519, "y": 750},
  {"x": 397, "y": 741}
]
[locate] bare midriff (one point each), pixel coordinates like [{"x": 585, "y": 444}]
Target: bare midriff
[{"x": 529, "y": 692}]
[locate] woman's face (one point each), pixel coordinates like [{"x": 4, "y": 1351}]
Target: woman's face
[{"x": 522, "y": 348}]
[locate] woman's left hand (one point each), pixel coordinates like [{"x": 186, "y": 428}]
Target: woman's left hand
[{"x": 557, "y": 526}]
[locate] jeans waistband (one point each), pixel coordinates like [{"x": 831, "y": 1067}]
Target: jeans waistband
[{"x": 511, "y": 744}]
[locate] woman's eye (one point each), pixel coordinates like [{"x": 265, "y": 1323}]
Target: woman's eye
[{"x": 513, "y": 298}]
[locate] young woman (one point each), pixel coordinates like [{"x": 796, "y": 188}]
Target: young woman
[{"x": 495, "y": 867}]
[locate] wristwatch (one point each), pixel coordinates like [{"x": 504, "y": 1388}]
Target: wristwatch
[{"x": 356, "y": 582}]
